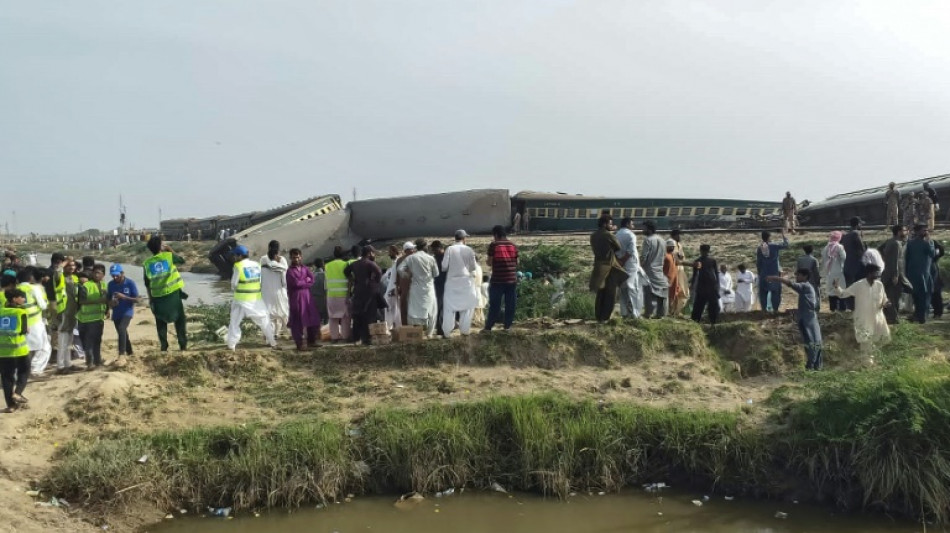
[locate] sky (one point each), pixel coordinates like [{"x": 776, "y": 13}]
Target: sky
[{"x": 198, "y": 108}]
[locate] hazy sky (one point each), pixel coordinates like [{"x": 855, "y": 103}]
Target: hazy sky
[{"x": 204, "y": 107}]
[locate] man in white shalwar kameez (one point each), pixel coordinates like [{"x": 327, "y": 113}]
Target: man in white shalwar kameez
[
  {"x": 392, "y": 315},
  {"x": 631, "y": 292},
  {"x": 727, "y": 296},
  {"x": 248, "y": 301},
  {"x": 422, "y": 270},
  {"x": 745, "y": 281},
  {"x": 274, "y": 287},
  {"x": 870, "y": 299},
  {"x": 37, "y": 338},
  {"x": 461, "y": 291}
]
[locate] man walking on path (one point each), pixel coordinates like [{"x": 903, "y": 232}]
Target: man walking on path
[
  {"x": 767, "y": 264},
  {"x": 807, "y": 315},
  {"x": 166, "y": 292},
  {"x": 503, "y": 283},
  {"x": 461, "y": 291}
]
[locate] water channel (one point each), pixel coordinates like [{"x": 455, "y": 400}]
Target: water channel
[
  {"x": 628, "y": 512},
  {"x": 201, "y": 288}
]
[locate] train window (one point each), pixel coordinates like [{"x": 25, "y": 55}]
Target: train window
[
  {"x": 616, "y": 213},
  {"x": 699, "y": 211},
  {"x": 593, "y": 213},
  {"x": 686, "y": 211},
  {"x": 542, "y": 213},
  {"x": 674, "y": 211},
  {"x": 569, "y": 213},
  {"x": 638, "y": 212},
  {"x": 740, "y": 211},
  {"x": 661, "y": 212},
  {"x": 532, "y": 212},
  {"x": 650, "y": 212},
  {"x": 714, "y": 210},
  {"x": 729, "y": 210}
]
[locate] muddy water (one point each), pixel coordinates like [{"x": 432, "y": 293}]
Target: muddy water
[
  {"x": 631, "y": 512},
  {"x": 201, "y": 288}
]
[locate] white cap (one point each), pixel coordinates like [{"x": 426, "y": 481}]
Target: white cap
[
  {"x": 409, "y": 245},
  {"x": 671, "y": 242}
]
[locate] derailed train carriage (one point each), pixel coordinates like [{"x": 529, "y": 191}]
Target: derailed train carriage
[{"x": 869, "y": 203}]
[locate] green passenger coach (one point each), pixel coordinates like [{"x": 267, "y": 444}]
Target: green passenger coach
[{"x": 564, "y": 212}]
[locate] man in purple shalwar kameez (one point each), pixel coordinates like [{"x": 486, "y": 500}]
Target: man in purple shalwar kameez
[{"x": 303, "y": 312}]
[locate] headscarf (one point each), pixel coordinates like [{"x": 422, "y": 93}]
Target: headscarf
[
  {"x": 832, "y": 249},
  {"x": 873, "y": 257}
]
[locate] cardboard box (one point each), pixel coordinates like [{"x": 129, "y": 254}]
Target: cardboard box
[
  {"x": 378, "y": 328},
  {"x": 377, "y": 340},
  {"x": 408, "y": 334}
]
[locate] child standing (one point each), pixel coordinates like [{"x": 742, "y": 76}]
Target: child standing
[{"x": 807, "y": 315}]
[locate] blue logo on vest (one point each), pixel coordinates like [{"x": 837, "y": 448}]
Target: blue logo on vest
[
  {"x": 8, "y": 325},
  {"x": 158, "y": 268},
  {"x": 252, "y": 273}
]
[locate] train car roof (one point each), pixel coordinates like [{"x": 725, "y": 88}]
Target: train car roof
[
  {"x": 550, "y": 196},
  {"x": 938, "y": 182}
]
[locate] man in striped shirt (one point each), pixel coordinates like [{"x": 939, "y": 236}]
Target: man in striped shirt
[{"x": 503, "y": 261}]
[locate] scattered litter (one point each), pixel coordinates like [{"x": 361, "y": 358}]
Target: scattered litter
[
  {"x": 749, "y": 401},
  {"x": 795, "y": 502},
  {"x": 655, "y": 487},
  {"x": 183, "y": 511},
  {"x": 354, "y": 432},
  {"x": 33, "y": 493},
  {"x": 350, "y": 495},
  {"x": 729, "y": 498},
  {"x": 142, "y": 460},
  {"x": 320, "y": 506},
  {"x": 257, "y": 515},
  {"x": 498, "y": 488},
  {"x": 400, "y": 386},
  {"x": 53, "y": 502},
  {"x": 437, "y": 510},
  {"x": 169, "y": 516},
  {"x": 409, "y": 500},
  {"x": 447, "y": 492},
  {"x": 347, "y": 500},
  {"x": 697, "y": 503},
  {"x": 705, "y": 498},
  {"x": 220, "y": 511},
  {"x": 105, "y": 528},
  {"x": 659, "y": 514},
  {"x": 601, "y": 493},
  {"x": 780, "y": 514},
  {"x": 572, "y": 494}
]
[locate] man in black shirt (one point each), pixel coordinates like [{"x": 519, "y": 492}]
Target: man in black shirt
[{"x": 706, "y": 284}]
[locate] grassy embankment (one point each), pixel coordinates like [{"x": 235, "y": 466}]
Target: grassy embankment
[{"x": 874, "y": 438}]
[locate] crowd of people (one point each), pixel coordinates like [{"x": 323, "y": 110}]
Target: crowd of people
[{"x": 873, "y": 283}]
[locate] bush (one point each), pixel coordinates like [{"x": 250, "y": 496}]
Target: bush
[
  {"x": 577, "y": 304},
  {"x": 534, "y": 300},
  {"x": 546, "y": 259}
]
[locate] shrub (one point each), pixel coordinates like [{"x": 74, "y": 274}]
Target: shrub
[{"x": 546, "y": 259}]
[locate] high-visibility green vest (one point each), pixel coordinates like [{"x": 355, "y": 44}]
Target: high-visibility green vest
[
  {"x": 163, "y": 278},
  {"x": 32, "y": 308},
  {"x": 59, "y": 289},
  {"x": 12, "y": 338},
  {"x": 336, "y": 280},
  {"x": 92, "y": 312},
  {"x": 249, "y": 281}
]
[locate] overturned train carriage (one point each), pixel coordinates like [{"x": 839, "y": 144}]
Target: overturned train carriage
[
  {"x": 475, "y": 211},
  {"x": 869, "y": 203},
  {"x": 315, "y": 228}
]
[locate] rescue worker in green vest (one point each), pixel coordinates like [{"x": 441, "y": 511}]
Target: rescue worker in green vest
[
  {"x": 67, "y": 308},
  {"x": 7, "y": 282},
  {"x": 14, "y": 350},
  {"x": 93, "y": 311},
  {"x": 337, "y": 296},
  {"x": 248, "y": 302},
  {"x": 55, "y": 293},
  {"x": 166, "y": 292},
  {"x": 34, "y": 307}
]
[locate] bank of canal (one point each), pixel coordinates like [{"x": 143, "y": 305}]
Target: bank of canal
[{"x": 478, "y": 512}]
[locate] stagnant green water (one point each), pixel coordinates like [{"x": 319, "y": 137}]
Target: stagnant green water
[{"x": 630, "y": 512}]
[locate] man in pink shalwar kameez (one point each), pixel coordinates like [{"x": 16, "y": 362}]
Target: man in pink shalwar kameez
[{"x": 303, "y": 312}]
